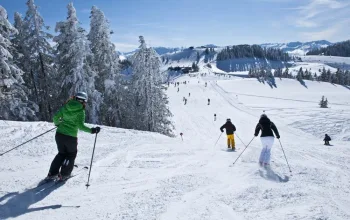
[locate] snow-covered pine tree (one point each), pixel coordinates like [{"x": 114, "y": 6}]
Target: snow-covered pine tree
[
  {"x": 18, "y": 44},
  {"x": 37, "y": 59},
  {"x": 152, "y": 111},
  {"x": 73, "y": 62},
  {"x": 105, "y": 64},
  {"x": 14, "y": 103}
]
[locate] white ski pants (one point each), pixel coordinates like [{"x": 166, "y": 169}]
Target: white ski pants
[{"x": 265, "y": 154}]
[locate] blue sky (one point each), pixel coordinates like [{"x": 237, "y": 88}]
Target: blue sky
[{"x": 176, "y": 23}]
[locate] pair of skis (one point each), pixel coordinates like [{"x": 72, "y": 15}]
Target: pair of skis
[{"x": 57, "y": 181}]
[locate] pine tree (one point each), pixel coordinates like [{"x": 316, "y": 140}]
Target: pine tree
[
  {"x": 323, "y": 103},
  {"x": 105, "y": 64},
  {"x": 347, "y": 78},
  {"x": 195, "y": 67},
  {"x": 14, "y": 103},
  {"x": 323, "y": 76},
  {"x": 73, "y": 61},
  {"x": 329, "y": 76},
  {"x": 19, "y": 48},
  {"x": 339, "y": 77},
  {"x": 151, "y": 101},
  {"x": 37, "y": 58},
  {"x": 250, "y": 73},
  {"x": 286, "y": 73},
  {"x": 300, "y": 75}
]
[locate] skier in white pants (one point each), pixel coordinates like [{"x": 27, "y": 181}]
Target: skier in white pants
[{"x": 267, "y": 138}]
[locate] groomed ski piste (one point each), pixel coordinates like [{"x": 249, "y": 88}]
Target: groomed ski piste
[{"x": 142, "y": 175}]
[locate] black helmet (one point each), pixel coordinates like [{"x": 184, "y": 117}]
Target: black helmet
[
  {"x": 81, "y": 97},
  {"x": 228, "y": 119},
  {"x": 263, "y": 116}
]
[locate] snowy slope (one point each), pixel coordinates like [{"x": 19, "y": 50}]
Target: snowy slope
[
  {"x": 142, "y": 175},
  {"x": 240, "y": 67},
  {"x": 333, "y": 61}
]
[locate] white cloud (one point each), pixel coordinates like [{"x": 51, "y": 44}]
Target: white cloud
[
  {"x": 314, "y": 13},
  {"x": 321, "y": 19},
  {"x": 305, "y": 23},
  {"x": 336, "y": 32},
  {"x": 323, "y": 34},
  {"x": 125, "y": 47}
]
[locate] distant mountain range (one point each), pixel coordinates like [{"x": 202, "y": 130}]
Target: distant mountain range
[
  {"x": 295, "y": 48},
  {"x": 159, "y": 50},
  {"x": 298, "y": 48}
]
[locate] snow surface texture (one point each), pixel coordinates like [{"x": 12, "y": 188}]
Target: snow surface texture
[{"x": 142, "y": 175}]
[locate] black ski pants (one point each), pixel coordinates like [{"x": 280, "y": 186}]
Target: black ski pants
[{"x": 67, "y": 152}]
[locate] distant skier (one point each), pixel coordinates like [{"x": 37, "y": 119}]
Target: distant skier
[
  {"x": 267, "y": 138},
  {"x": 327, "y": 139},
  {"x": 185, "y": 101},
  {"x": 230, "y": 130},
  {"x": 189, "y": 94},
  {"x": 214, "y": 117},
  {"x": 69, "y": 119},
  {"x": 178, "y": 89},
  {"x": 208, "y": 101},
  {"x": 205, "y": 84}
]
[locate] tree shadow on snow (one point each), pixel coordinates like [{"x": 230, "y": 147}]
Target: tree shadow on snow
[
  {"x": 302, "y": 82},
  {"x": 347, "y": 87},
  {"x": 17, "y": 204},
  {"x": 270, "y": 81},
  {"x": 268, "y": 174}
]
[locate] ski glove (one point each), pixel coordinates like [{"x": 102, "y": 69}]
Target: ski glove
[
  {"x": 95, "y": 130},
  {"x": 278, "y": 137}
]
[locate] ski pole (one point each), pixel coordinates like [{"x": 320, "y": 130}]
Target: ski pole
[
  {"x": 285, "y": 157},
  {"x": 27, "y": 141},
  {"x": 243, "y": 151},
  {"x": 240, "y": 139},
  {"x": 218, "y": 139},
  {"x": 92, "y": 158}
]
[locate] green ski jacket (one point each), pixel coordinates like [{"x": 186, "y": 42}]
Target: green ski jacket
[{"x": 70, "y": 118}]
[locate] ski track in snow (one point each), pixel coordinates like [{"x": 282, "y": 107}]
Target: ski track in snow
[{"x": 142, "y": 175}]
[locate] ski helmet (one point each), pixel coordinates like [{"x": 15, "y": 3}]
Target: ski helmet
[
  {"x": 263, "y": 116},
  {"x": 81, "y": 96},
  {"x": 228, "y": 119}
]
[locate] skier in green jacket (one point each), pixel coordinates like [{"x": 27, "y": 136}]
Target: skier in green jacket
[{"x": 69, "y": 119}]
